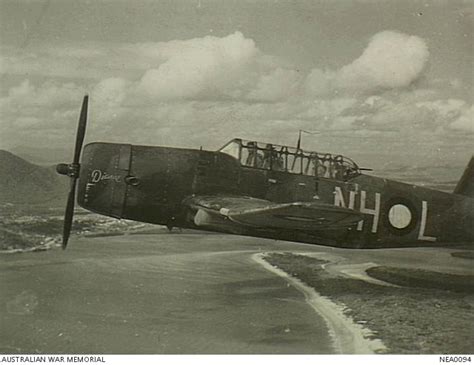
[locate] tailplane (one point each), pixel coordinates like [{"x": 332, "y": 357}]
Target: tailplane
[{"x": 465, "y": 185}]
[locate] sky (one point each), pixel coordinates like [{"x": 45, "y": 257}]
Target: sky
[{"x": 385, "y": 82}]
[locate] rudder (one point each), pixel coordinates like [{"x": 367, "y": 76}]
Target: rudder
[{"x": 465, "y": 185}]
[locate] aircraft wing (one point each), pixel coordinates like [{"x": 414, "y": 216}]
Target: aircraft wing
[{"x": 259, "y": 213}]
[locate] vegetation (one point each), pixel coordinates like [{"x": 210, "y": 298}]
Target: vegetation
[
  {"x": 430, "y": 313},
  {"x": 43, "y": 231}
]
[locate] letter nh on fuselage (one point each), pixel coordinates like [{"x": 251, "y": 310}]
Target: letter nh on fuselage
[{"x": 340, "y": 201}]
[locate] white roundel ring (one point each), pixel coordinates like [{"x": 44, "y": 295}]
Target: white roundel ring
[{"x": 399, "y": 216}]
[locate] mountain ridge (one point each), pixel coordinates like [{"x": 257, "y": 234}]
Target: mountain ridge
[{"x": 25, "y": 182}]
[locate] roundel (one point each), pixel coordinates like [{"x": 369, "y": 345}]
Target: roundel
[{"x": 400, "y": 215}]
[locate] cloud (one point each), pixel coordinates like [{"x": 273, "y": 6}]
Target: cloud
[
  {"x": 447, "y": 109},
  {"x": 325, "y": 110},
  {"x": 411, "y": 113},
  {"x": 39, "y": 114},
  {"x": 48, "y": 94},
  {"x": 391, "y": 60},
  {"x": 110, "y": 92},
  {"x": 201, "y": 67},
  {"x": 203, "y": 91},
  {"x": 320, "y": 83},
  {"x": 277, "y": 85},
  {"x": 229, "y": 67},
  {"x": 465, "y": 121}
]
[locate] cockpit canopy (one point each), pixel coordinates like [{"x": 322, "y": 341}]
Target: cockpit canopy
[{"x": 274, "y": 157}]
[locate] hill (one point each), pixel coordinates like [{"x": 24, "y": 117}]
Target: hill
[
  {"x": 24, "y": 182},
  {"x": 42, "y": 156}
]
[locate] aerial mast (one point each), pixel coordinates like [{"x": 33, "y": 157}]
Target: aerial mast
[{"x": 298, "y": 144}]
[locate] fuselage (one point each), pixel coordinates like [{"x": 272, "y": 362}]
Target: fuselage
[{"x": 150, "y": 184}]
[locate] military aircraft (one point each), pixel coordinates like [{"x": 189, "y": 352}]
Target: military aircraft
[{"x": 265, "y": 190}]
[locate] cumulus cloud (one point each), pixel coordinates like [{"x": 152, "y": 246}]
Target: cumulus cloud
[
  {"x": 277, "y": 85},
  {"x": 208, "y": 66},
  {"x": 204, "y": 91},
  {"x": 391, "y": 60},
  {"x": 232, "y": 67},
  {"x": 229, "y": 67}
]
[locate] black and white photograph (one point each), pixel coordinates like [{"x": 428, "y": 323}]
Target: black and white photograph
[{"x": 236, "y": 177}]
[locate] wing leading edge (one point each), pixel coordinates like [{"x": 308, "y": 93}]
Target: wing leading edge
[{"x": 213, "y": 211}]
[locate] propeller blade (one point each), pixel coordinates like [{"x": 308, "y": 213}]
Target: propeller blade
[
  {"x": 81, "y": 130},
  {"x": 69, "y": 213},
  {"x": 72, "y": 170}
]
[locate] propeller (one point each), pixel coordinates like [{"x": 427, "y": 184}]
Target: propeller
[{"x": 72, "y": 170}]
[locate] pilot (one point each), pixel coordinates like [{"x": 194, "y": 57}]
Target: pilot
[
  {"x": 328, "y": 167},
  {"x": 312, "y": 167},
  {"x": 339, "y": 167},
  {"x": 267, "y": 156},
  {"x": 251, "y": 154},
  {"x": 321, "y": 168},
  {"x": 279, "y": 161},
  {"x": 254, "y": 158},
  {"x": 271, "y": 158}
]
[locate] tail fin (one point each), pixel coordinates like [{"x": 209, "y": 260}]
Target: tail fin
[{"x": 465, "y": 185}]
